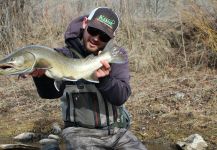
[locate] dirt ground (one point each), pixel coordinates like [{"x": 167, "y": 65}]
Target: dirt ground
[
  {"x": 165, "y": 107},
  {"x": 175, "y": 104}
]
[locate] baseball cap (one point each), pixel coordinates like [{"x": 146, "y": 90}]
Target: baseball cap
[{"x": 104, "y": 19}]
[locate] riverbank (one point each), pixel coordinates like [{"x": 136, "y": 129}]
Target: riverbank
[{"x": 165, "y": 107}]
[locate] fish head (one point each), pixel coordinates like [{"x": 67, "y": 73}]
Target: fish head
[{"x": 17, "y": 63}]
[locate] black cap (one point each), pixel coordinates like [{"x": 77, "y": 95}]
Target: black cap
[{"x": 104, "y": 19}]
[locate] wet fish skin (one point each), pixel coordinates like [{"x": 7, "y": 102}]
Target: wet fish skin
[{"x": 57, "y": 66}]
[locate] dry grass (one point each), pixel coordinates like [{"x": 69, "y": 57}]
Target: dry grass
[
  {"x": 149, "y": 41},
  {"x": 149, "y": 52},
  {"x": 174, "y": 104},
  {"x": 26, "y": 22},
  {"x": 41, "y": 24},
  {"x": 205, "y": 23},
  {"x": 23, "y": 108},
  {"x": 200, "y": 35},
  {"x": 169, "y": 62}
]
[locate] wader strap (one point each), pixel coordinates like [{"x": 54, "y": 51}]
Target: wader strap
[{"x": 107, "y": 117}]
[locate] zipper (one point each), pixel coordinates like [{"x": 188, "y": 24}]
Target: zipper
[
  {"x": 96, "y": 111},
  {"x": 95, "y": 114},
  {"x": 107, "y": 117},
  {"x": 74, "y": 115},
  {"x": 114, "y": 109},
  {"x": 68, "y": 108}
]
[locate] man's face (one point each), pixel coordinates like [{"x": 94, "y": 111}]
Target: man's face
[{"x": 94, "y": 39}]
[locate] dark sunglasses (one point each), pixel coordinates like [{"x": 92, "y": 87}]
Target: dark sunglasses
[{"x": 94, "y": 32}]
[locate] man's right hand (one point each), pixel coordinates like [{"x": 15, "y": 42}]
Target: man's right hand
[
  {"x": 38, "y": 73},
  {"x": 35, "y": 73}
]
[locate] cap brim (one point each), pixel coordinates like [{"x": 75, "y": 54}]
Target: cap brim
[{"x": 103, "y": 28}]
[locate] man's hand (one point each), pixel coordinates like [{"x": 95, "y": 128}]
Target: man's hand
[
  {"x": 35, "y": 73},
  {"x": 104, "y": 70}
]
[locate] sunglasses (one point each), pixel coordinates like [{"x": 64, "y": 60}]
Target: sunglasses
[{"x": 94, "y": 32}]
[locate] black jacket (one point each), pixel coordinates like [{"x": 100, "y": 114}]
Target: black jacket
[{"x": 114, "y": 87}]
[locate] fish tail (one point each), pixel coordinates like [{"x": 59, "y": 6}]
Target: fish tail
[{"x": 117, "y": 55}]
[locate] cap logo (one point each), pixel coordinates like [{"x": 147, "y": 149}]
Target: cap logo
[{"x": 106, "y": 21}]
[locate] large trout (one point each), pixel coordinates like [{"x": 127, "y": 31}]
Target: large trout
[{"x": 57, "y": 66}]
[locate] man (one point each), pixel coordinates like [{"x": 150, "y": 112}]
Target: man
[{"x": 93, "y": 113}]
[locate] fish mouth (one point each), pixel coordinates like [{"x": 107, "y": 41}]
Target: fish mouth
[
  {"x": 10, "y": 69},
  {"x": 6, "y": 66}
]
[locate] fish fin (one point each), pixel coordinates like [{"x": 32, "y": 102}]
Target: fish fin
[
  {"x": 57, "y": 85},
  {"x": 117, "y": 55},
  {"x": 92, "y": 78},
  {"x": 109, "y": 46},
  {"x": 69, "y": 79},
  {"x": 94, "y": 81}
]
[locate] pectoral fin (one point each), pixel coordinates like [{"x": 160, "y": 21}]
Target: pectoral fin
[
  {"x": 57, "y": 85},
  {"x": 92, "y": 78},
  {"x": 69, "y": 79}
]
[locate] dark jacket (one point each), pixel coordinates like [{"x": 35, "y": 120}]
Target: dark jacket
[{"x": 114, "y": 87}]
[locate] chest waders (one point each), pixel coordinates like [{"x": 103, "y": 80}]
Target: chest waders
[{"x": 83, "y": 106}]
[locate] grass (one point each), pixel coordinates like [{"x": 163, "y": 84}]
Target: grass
[
  {"x": 167, "y": 58},
  {"x": 158, "y": 113},
  {"x": 200, "y": 24}
]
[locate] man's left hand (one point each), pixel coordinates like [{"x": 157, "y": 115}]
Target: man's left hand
[{"x": 104, "y": 70}]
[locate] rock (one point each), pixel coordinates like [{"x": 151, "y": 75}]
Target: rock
[
  {"x": 55, "y": 137},
  {"x": 47, "y": 141},
  {"x": 18, "y": 146},
  {"x": 193, "y": 142},
  {"x": 26, "y": 136},
  {"x": 49, "y": 144},
  {"x": 56, "y": 128},
  {"x": 179, "y": 95}
]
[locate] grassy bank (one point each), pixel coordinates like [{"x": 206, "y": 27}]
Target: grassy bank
[{"x": 172, "y": 52}]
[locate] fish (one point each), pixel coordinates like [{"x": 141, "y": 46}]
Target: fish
[{"x": 58, "y": 66}]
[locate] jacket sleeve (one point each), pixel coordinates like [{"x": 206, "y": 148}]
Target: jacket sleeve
[
  {"x": 116, "y": 88},
  {"x": 46, "y": 89}
]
